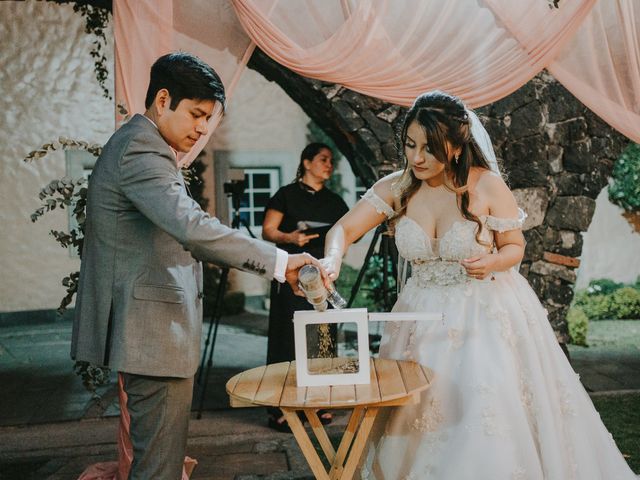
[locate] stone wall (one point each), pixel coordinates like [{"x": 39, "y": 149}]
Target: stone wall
[
  {"x": 557, "y": 156},
  {"x": 555, "y": 153}
]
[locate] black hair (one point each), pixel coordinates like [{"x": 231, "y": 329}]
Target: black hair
[
  {"x": 184, "y": 76},
  {"x": 308, "y": 153}
]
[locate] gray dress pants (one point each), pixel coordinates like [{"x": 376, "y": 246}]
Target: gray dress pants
[{"x": 159, "y": 408}]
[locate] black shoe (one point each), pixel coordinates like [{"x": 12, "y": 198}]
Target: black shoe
[
  {"x": 327, "y": 419},
  {"x": 282, "y": 426}
]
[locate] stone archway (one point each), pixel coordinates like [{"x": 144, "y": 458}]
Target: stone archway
[{"x": 556, "y": 153}]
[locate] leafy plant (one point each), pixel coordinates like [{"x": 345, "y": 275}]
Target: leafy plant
[
  {"x": 92, "y": 376},
  {"x": 373, "y": 283},
  {"x": 605, "y": 299},
  {"x": 344, "y": 284},
  {"x": 371, "y": 293},
  {"x": 578, "y": 326},
  {"x": 625, "y": 187},
  {"x": 65, "y": 193},
  {"x": 626, "y": 303},
  {"x": 96, "y": 22},
  {"x": 603, "y": 286}
]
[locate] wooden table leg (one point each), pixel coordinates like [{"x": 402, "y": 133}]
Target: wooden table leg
[
  {"x": 359, "y": 443},
  {"x": 337, "y": 466},
  {"x": 351, "y": 445},
  {"x": 304, "y": 442},
  {"x": 321, "y": 434}
]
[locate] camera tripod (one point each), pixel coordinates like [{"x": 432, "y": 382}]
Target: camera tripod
[
  {"x": 234, "y": 190},
  {"x": 387, "y": 250}
]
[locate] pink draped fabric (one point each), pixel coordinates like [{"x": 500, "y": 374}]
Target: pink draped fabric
[
  {"x": 395, "y": 50},
  {"x": 119, "y": 470},
  {"x": 479, "y": 50},
  {"x": 601, "y": 64},
  {"x": 147, "y": 29},
  {"x": 142, "y": 32}
]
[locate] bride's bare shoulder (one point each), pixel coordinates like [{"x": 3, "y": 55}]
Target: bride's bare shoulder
[
  {"x": 494, "y": 191},
  {"x": 388, "y": 184},
  {"x": 482, "y": 180}
]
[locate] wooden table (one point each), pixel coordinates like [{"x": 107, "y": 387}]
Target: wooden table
[{"x": 393, "y": 383}]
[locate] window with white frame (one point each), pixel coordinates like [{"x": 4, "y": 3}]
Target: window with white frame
[
  {"x": 260, "y": 185},
  {"x": 360, "y": 188}
]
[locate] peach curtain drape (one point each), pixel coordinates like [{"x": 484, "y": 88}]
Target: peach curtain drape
[
  {"x": 146, "y": 29},
  {"x": 601, "y": 64},
  {"x": 480, "y": 50},
  {"x": 397, "y": 49}
]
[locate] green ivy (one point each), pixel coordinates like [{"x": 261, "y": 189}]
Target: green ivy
[
  {"x": 613, "y": 301},
  {"x": 92, "y": 376},
  {"x": 371, "y": 293},
  {"x": 625, "y": 187},
  {"x": 96, "y": 22},
  {"x": 578, "y": 326},
  {"x": 603, "y": 286}
]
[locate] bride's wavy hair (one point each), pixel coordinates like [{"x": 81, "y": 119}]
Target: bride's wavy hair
[{"x": 443, "y": 118}]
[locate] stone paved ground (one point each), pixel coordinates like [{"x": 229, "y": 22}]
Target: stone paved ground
[
  {"x": 228, "y": 444},
  {"x": 611, "y": 362},
  {"x": 51, "y": 428}
]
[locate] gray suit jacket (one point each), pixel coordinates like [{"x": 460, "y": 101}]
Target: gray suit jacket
[{"x": 139, "y": 302}]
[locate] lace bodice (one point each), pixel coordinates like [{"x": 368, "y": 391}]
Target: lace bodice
[
  {"x": 457, "y": 243},
  {"x": 436, "y": 260}
]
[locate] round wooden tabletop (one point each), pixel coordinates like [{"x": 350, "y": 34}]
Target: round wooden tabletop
[{"x": 275, "y": 385}]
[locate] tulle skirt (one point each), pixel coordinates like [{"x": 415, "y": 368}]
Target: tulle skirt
[{"x": 505, "y": 403}]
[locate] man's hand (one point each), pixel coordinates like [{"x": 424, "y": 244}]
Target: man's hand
[{"x": 295, "y": 263}]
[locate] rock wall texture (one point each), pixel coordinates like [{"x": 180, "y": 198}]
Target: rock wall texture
[{"x": 556, "y": 154}]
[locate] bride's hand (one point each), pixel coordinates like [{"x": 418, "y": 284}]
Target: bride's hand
[
  {"x": 331, "y": 266},
  {"x": 480, "y": 266}
]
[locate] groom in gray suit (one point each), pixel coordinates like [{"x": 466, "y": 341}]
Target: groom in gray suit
[{"x": 139, "y": 305}]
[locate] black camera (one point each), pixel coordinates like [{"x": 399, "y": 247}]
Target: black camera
[{"x": 235, "y": 186}]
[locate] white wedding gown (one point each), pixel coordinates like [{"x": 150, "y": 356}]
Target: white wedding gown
[{"x": 505, "y": 403}]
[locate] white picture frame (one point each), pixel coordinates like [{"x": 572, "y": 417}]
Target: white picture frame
[
  {"x": 303, "y": 318},
  {"x": 361, "y": 318}
]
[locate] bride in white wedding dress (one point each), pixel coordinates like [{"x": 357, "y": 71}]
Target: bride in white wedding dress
[{"x": 505, "y": 403}]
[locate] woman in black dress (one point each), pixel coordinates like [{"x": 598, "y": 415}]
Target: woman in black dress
[{"x": 297, "y": 219}]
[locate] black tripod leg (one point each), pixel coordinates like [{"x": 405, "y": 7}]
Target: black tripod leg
[
  {"x": 356, "y": 285},
  {"x": 218, "y": 299},
  {"x": 246, "y": 225},
  {"x": 215, "y": 322}
]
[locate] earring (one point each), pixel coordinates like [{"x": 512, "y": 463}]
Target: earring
[{"x": 456, "y": 157}]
